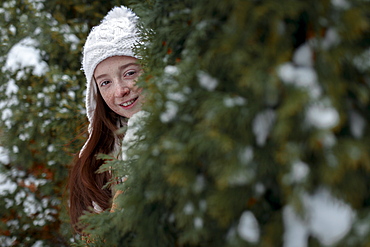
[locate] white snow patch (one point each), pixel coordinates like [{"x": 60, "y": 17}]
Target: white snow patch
[
  {"x": 322, "y": 117},
  {"x": 19, "y": 197},
  {"x": 170, "y": 112},
  {"x": 331, "y": 39},
  {"x": 178, "y": 96},
  {"x": 199, "y": 184},
  {"x": 11, "y": 88},
  {"x": 362, "y": 62},
  {"x": 231, "y": 234},
  {"x": 259, "y": 189},
  {"x": 300, "y": 73},
  {"x": 28, "y": 124},
  {"x": 362, "y": 228},
  {"x": 303, "y": 56},
  {"x": 286, "y": 72},
  {"x": 12, "y": 223},
  {"x": 171, "y": 218},
  {"x": 206, "y": 81},
  {"x": 188, "y": 208},
  {"x": 198, "y": 222},
  {"x": 32, "y": 180},
  {"x": 357, "y": 124},
  {"x": 52, "y": 88},
  {"x": 23, "y": 18},
  {"x": 24, "y": 136},
  {"x": 8, "y": 203},
  {"x": 72, "y": 39},
  {"x": 26, "y": 227},
  {"x": 51, "y": 162},
  {"x": 31, "y": 206},
  {"x": 24, "y": 54},
  {"x": 306, "y": 78},
  {"x": 37, "y": 4},
  {"x": 72, "y": 95},
  {"x": 12, "y": 29},
  {"x": 240, "y": 176},
  {"x": 203, "y": 205},
  {"x": 330, "y": 219},
  {"x": 328, "y": 139},
  {"x": 296, "y": 232},
  {"x": 8, "y": 241},
  {"x": 50, "y": 148},
  {"x": 203, "y": 24},
  {"x": 234, "y": 101},
  {"x": 6, "y": 113},
  {"x": 341, "y": 4},
  {"x": 6, "y": 185},
  {"x": 262, "y": 125},
  {"x": 246, "y": 155},
  {"x": 4, "y": 156},
  {"x": 326, "y": 218},
  {"x": 301, "y": 77},
  {"x": 38, "y": 243},
  {"x": 17, "y": 173},
  {"x": 299, "y": 172},
  {"x": 171, "y": 70},
  {"x": 39, "y": 222},
  {"x": 248, "y": 228},
  {"x": 134, "y": 125},
  {"x": 9, "y": 4}
]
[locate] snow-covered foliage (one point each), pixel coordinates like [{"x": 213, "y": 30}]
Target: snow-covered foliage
[{"x": 42, "y": 114}]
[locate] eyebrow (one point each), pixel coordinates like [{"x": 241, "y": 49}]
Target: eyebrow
[{"x": 122, "y": 67}]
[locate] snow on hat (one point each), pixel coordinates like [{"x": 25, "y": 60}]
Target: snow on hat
[{"x": 116, "y": 35}]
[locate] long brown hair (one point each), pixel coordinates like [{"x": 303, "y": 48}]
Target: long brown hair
[{"x": 85, "y": 184}]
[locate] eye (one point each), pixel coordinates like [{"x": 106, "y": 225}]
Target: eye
[
  {"x": 104, "y": 83},
  {"x": 130, "y": 73}
]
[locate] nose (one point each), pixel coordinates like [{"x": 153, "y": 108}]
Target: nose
[
  {"x": 122, "y": 90},
  {"x": 124, "y": 87}
]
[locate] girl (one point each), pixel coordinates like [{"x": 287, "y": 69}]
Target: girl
[{"x": 111, "y": 69}]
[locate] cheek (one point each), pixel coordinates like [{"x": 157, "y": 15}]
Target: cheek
[{"x": 107, "y": 97}]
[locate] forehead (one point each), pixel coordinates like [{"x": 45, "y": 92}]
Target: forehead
[{"x": 113, "y": 62}]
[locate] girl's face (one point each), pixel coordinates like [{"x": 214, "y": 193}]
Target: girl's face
[{"x": 115, "y": 77}]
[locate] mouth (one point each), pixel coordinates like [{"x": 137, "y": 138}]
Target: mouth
[{"x": 129, "y": 103}]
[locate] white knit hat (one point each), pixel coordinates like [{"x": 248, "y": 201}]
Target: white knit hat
[{"x": 116, "y": 35}]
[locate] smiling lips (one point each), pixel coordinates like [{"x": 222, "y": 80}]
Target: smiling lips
[{"x": 129, "y": 103}]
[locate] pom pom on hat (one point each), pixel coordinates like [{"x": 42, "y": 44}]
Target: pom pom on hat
[
  {"x": 119, "y": 12},
  {"x": 116, "y": 35}
]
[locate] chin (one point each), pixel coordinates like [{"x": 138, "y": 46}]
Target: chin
[{"x": 129, "y": 114}]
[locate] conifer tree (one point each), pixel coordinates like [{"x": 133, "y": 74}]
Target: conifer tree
[
  {"x": 258, "y": 127},
  {"x": 42, "y": 114}
]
